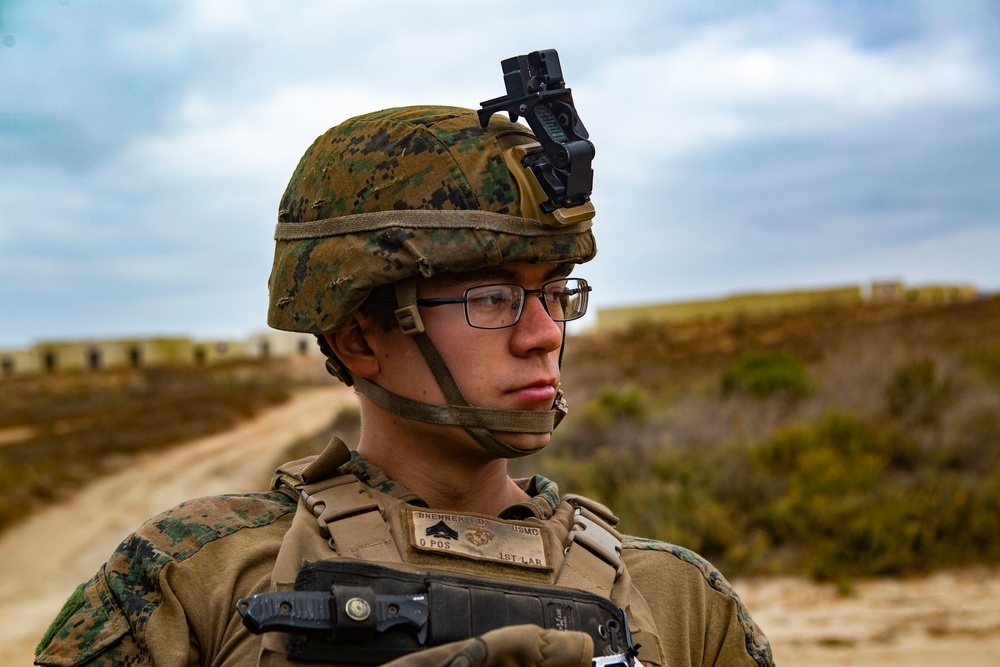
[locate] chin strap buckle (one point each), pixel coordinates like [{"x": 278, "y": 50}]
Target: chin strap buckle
[{"x": 409, "y": 320}]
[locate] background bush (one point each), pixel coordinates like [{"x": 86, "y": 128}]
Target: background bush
[
  {"x": 766, "y": 374},
  {"x": 837, "y": 444}
]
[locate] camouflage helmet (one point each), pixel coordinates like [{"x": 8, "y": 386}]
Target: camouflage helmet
[
  {"x": 399, "y": 193},
  {"x": 386, "y": 197}
]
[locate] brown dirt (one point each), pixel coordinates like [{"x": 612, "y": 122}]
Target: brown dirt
[
  {"x": 949, "y": 618},
  {"x": 14, "y": 434},
  {"x": 45, "y": 557}
]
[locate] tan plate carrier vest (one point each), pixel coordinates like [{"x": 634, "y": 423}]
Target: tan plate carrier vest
[{"x": 340, "y": 517}]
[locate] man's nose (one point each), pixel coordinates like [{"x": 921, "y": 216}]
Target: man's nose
[{"x": 536, "y": 329}]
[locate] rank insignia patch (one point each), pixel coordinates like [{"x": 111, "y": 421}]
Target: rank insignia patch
[{"x": 478, "y": 538}]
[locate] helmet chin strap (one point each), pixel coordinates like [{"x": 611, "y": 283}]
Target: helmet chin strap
[{"x": 480, "y": 423}]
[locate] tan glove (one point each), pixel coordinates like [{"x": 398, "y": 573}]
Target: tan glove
[{"x": 513, "y": 646}]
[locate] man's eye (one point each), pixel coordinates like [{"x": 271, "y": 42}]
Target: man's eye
[
  {"x": 491, "y": 299},
  {"x": 556, "y": 295}
]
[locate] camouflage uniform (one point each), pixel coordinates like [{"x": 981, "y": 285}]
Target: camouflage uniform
[
  {"x": 167, "y": 596},
  {"x": 379, "y": 201}
]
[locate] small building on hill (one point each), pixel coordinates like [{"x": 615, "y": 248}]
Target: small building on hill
[
  {"x": 89, "y": 355},
  {"x": 217, "y": 351},
  {"x": 887, "y": 291},
  {"x": 113, "y": 354},
  {"x": 18, "y": 362},
  {"x": 275, "y": 344},
  {"x": 941, "y": 294}
]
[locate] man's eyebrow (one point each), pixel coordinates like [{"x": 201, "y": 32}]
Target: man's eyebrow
[
  {"x": 502, "y": 275},
  {"x": 498, "y": 274},
  {"x": 559, "y": 271}
]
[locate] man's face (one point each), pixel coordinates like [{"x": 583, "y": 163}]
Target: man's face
[{"x": 515, "y": 368}]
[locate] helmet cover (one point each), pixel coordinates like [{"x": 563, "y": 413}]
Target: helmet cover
[{"x": 400, "y": 193}]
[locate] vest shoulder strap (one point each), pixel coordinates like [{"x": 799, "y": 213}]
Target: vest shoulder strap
[
  {"x": 289, "y": 477},
  {"x": 349, "y": 514},
  {"x": 592, "y": 559}
]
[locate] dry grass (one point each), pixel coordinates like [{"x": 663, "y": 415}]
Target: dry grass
[
  {"x": 836, "y": 442},
  {"x": 833, "y": 442},
  {"x": 64, "y": 429}
]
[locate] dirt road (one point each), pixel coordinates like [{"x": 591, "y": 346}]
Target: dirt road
[
  {"x": 45, "y": 558},
  {"x": 948, "y": 619}
]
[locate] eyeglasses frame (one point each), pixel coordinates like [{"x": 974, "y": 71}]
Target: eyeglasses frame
[{"x": 442, "y": 301}]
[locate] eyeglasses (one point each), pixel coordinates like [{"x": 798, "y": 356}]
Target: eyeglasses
[{"x": 500, "y": 306}]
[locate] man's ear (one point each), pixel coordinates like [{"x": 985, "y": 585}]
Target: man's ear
[{"x": 351, "y": 346}]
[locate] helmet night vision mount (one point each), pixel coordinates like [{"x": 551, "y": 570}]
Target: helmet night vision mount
[{"x": 554, "y": 174}]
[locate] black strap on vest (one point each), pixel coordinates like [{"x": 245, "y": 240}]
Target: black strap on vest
[{"x": 356, "y": 612}]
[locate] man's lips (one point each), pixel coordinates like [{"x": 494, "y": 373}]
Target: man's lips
[{"x": 543, "y": 390}]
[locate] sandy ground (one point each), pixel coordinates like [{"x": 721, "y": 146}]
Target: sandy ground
[
  {"x": 948, "y": 619},
  {"x": 45, "y": 558}
]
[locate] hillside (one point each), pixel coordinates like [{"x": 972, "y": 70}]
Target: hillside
[
  {"x": 59, "y": 431},
  {"x": 836, "y": 443},
  {"x": 839, "y": 442}
]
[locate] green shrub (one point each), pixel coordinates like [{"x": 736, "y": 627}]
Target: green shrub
[
  {"x": 614, "y": 405},
  {"x": 763, "y": 374},
  {"x": 987, "y": 358},
  {"x": 616, "y": 416},
  {"x": 662, "y": 497},
  {"x": 861, "y": 503},
  {"x": 901, "y": 476},
  {"x": 916, "y": 393},
  {"x": 836, "y": 498}
]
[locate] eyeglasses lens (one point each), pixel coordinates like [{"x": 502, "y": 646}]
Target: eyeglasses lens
[{"x": 498, "y": 306}]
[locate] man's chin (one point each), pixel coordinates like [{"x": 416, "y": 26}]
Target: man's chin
[{"x": 529, "y": 443}]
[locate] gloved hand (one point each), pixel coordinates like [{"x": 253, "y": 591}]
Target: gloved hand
[{"x": 512, "y": 646}]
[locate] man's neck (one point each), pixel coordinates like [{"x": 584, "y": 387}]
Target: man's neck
[{"x": 441, "y": 465}]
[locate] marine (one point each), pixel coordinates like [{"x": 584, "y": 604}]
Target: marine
[{"x": 431, "y": 250}]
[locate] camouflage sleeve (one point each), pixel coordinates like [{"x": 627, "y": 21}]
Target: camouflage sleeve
[
  {"x": 701, "y": 619},
  {"x": 104, "y": 623},
  {"x": 92, "y": 629},
  {"x": 147, "y": 604}
]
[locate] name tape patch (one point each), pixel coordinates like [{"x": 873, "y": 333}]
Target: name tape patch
[{"x": 478, "y": 538}]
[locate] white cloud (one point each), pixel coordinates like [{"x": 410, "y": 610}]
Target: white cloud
[
  {"x": 212, "y": 140},
  {"x": 717, "y": 88},
  {"x": 737, "y": 146}
]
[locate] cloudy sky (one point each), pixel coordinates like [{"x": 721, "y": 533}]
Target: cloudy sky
[{"x": 740, "y": 145}]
